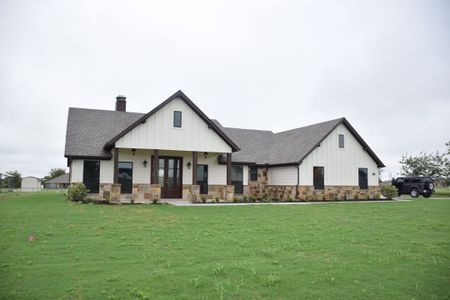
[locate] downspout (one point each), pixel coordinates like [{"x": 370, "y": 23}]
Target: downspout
[{"x": 297, "y": 196}]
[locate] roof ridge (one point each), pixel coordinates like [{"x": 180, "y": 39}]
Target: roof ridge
[
  {"x": 311, "y": 125},
  {"x": 106, "y": 110}
]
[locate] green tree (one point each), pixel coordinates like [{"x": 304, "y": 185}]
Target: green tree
[
  {"x": 55, "y": 172},
  {"x": 14, "y": 177},
  {"x": 426, "y": 164}
]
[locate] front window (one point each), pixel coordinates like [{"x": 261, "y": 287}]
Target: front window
[
  {"x": 318, "y": 173},
  {"x": 363, "y": 178},
  {"x": 126, "y": 177},
  {"x": 91, "y": 175},
  {"x": 253, "y": 173},
  {"x": 202, "y": 178},
  {"x": 177, "y": 119},
  {"x": 237, "y": 177}
]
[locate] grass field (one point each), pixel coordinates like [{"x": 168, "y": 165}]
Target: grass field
[
  {"x": 398, "y": 250},
  {"x": 442, "y": 192}
]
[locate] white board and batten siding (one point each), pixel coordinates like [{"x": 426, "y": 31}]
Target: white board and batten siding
[
  {"x": 158, "y": 132},
  {"x": 282, "y": 175},
  {"x": 106, "y": 171},
  {"x": 340, "y": 164},
  {"x": 217, "y": 173}
]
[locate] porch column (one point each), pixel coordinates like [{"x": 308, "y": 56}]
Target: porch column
[
  {"x": 116, "y": 165},
  {"x": 155, "y": 167},
  {"x": 194, "y": 168},
  {"x": 228, "y": 168}
]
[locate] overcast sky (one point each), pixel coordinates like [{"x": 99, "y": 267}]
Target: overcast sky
[{"x": 275, "y": 65}]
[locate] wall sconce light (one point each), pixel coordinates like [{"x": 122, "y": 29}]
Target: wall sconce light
[
  {"x": 205, "y": 155},
  {"x": 145, "y": 163},
  {"x": 133, "y": 151},
  {"x": 189, "y": 164}
]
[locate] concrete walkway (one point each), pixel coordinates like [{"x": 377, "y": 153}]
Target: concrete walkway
[{"x": 180, "y": 202}]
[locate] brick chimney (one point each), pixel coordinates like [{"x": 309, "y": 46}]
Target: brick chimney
[{"x": 121, "y": 104}]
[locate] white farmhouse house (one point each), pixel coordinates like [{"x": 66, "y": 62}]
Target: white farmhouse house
[{"x": 176, "y": 151}]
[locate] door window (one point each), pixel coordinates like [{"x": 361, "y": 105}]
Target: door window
[{"x": 125, "y": 177}]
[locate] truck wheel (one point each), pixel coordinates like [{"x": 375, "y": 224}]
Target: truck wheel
[
  {"x": 427, "y": 194},
  {"x": 414, "y": 193}
]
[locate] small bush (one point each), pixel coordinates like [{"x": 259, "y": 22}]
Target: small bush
[
  {"x": 389, "y": 191},
  {"x": 217, "y": 199},
  {"x": 356, "y": 197},
  {"x": 77, "y": 192},
  {"x": 244, "y": 199},
  {"x": 377, "y": 196},
  {"x": 252, "y": 198},
  {"x": 289, "y": 198},
  {"x": 155, "y": 200},
  {"x": 203, "y": 198},
  {"x": 235, "y": 199}
]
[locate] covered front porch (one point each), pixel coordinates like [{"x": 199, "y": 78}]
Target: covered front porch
[{"x": 148, "y": 175}]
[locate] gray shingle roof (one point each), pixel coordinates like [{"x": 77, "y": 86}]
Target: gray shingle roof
[
  {"x": 266, "y": 147},
  {"x": 64, "y": 178},
  {"x": 89, "y": 129}
]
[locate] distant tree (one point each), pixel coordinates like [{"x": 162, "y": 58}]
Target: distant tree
[
  {"x": 426, "y": 164},
  {"x": 14, "y": 177},
  {"x": 54, "y": 173},
  {"x": 448, "y": 146}
]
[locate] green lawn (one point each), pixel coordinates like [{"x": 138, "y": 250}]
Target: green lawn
[
  {"x": 398, "y": 250},
  {"x": 442, "y": 192}
]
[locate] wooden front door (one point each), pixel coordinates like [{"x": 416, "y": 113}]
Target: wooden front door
[{"x": 170, "y": 176}]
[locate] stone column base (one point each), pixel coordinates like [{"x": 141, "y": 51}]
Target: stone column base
[
  {"x": 229, "y": 193},
  {"x": 110, "y": 192}
]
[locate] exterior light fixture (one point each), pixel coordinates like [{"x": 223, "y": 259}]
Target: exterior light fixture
[
  {"x": 189, "y": 165},
  {"x": 145, "y": 163},
  {"x": 133, "y": 151},
  {"x": 205, "y": 155}
]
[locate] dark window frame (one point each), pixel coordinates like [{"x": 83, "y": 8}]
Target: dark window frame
[
  {"x": 363, "y": 184},
  {"x": 341, "y": 141},
  {"x": 238, "y": 184},
  {"x": 204, "y": 182},
  {"x": 319, "y": 183},
  {"x": 253, "y": 174},
  {"x": 93, "y": 187},
  {"x": 177, "y": 122},
  {"x": 130, "y": 190}
]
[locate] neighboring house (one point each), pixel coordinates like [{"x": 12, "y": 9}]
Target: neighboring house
[
  {"x": 176, "y": 151},
  {"x": 31, "y": 184},
  {"x": 60, "y": 182}
]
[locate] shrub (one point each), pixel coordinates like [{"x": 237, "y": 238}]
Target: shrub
[
  {"x": 235, "y": 199},
  {"x": 252, "y": 198},
  {"x": 203, "y": 198},
  {"x": 155, "y": 200},
  {"x": 217, "y": 199},
  {"x": 244, "y": 199},
  {"x": 356, "y": 197},
  {"x": 377, "y": 196},
  {"x": 389, "y": 191},
  {"x": 77, "y": 192}
]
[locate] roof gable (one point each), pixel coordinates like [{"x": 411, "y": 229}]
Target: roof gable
[
  {"x": 289, "y": 147},
  {"x": 178, "y": 95}
]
